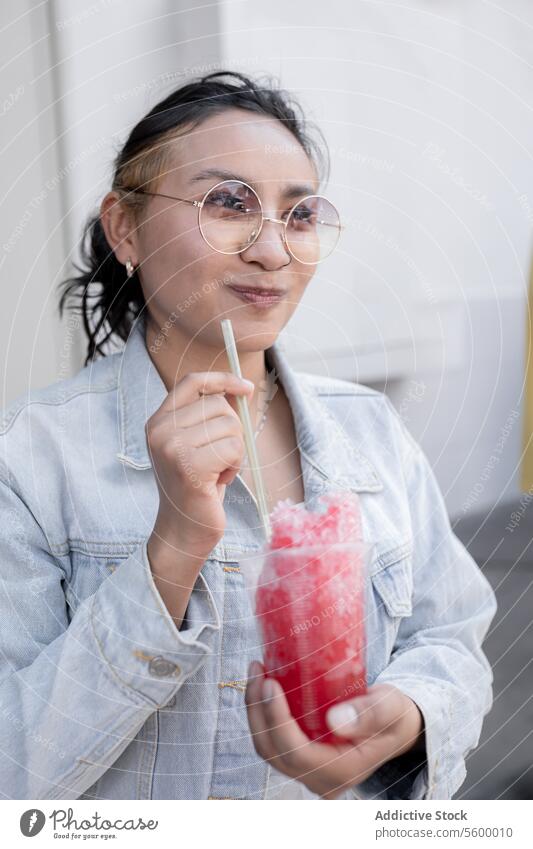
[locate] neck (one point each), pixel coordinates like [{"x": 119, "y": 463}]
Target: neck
[{"x": 175, "y": 355}]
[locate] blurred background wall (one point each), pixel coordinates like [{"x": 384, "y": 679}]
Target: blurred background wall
[{"x": 427, "y": 108}]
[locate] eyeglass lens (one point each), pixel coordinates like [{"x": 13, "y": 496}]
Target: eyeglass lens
[{"x": 231, "y": 217}]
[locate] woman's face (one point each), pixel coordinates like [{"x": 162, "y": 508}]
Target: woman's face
[{"x": 187, "y": 282}]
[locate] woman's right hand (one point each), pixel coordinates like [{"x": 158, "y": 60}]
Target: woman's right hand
[{"x": 196, "y": 443}]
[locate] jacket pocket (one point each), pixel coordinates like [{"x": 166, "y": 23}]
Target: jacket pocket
[
  {"x": 389, "y": 601},
  {"x": 88, "y": 572},
  {"x": 394, "y": 586}
]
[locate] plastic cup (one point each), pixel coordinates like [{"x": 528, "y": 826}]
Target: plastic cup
[{"x": 309, "y": 605}]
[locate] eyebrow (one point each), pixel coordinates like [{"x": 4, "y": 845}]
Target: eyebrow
[{"x": 292, "y": 190}]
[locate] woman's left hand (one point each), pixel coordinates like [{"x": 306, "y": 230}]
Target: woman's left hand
[{"x": 381, "y": 725}]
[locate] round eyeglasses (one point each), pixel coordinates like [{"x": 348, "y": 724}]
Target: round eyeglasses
[{"x": 230, "y": 218}]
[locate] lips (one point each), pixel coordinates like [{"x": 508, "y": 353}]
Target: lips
[
  {"x": 258, "y": 290},
  {"x": 258, "y": 297}
]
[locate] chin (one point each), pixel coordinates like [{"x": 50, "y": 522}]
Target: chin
[
  {"x": 255, "y": 341},
  {"x": 250, "y": 334}
]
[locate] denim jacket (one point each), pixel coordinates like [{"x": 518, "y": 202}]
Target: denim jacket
[{"x": 102, "y": 697}]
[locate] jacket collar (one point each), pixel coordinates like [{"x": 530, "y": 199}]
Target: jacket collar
[{"x": 323, "y": 442}]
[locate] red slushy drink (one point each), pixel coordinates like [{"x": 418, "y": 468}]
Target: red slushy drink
[{"x": 310, "y": 607}]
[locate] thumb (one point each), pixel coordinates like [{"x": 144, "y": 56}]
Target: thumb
[{"x": 365, "y": 716}]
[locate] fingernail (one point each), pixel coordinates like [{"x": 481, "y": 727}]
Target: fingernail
[
  {"x": 341, "y": 716},
  {"x": 254, "y": 669},
  {"x": 268, "y": 690},
  {"x": 249, "y": 382}
]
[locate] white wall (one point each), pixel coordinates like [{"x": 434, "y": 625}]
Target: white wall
[
  {"x": 76, "y": 76},
  {"x": 428, "y": 111},
  {"x": 32, "y": 346},
  {"x": 115, "y": 60}
]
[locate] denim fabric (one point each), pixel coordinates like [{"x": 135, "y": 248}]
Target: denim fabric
[{"x": 102, "y": 697}]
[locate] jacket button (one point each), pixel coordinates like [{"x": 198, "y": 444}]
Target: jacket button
[{"x": 162, "y": 667}]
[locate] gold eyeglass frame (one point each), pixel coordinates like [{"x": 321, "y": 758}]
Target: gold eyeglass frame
[{"x": 199, "y": 204}]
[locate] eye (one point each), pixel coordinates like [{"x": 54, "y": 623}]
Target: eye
[
  {"x": 225, "y": 200},
  {"x": 303, "y": 215}
]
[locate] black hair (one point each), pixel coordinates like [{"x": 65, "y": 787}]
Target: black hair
[{"x": 110, "y": 302}]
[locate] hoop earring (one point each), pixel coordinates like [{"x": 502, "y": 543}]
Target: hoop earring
[{"x": 130, "y": 268}]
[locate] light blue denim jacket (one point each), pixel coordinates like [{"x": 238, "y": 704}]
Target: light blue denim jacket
[{"x": 102, "y": 697}]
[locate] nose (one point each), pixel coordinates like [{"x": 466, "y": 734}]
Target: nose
[{"x": 269, "y": 249}]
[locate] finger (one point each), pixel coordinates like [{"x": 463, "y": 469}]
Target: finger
[
  {"x": 225, "y": 478},
  {"x": 289, "y": 741},
  {"x": 367, "y": 716},
  {"x": 326, "y": 769},
  {"x": 252, "y": 693},
  {"x": 196, "y": 384},
  {"x": 205, "y": 408},
  {"x": 212, "y": 430},
  {"x": 217, "y": 456},
  {"x": 256, "y": 717}
]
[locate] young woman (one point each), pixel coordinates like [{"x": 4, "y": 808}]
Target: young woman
[{"x": 129, "y": 661}]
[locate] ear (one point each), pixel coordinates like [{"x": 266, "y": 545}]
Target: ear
[{"x": 119, "y": 227}]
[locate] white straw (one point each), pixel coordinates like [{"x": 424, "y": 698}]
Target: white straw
[{"x": 244, "y": 413}]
